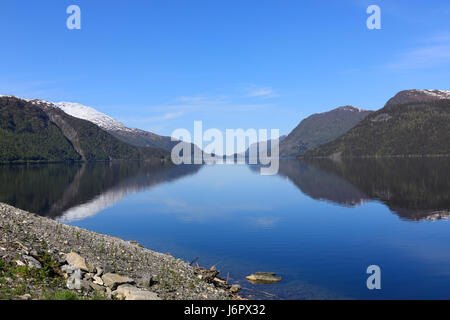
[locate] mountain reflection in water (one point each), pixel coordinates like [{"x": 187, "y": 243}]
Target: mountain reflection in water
[
  {"x": 76, "y": 191},
  {"x": 413, "y": 188}
]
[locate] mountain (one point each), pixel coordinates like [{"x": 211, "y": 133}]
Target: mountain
[
  {"x": 81, "y": 189},
  {"x": 36, "y": 130},
  {"x": 415, "y": 95},
  {"x": 420, "y": 196},
  {"x": 355, "y": 181},
  {"x": 253, "y": 149},
  {"x": 136, "y": 137},
  {"x": 27, "y": 133},
  {"x": 413, "y": 122},
  {"x": 321, "y": 128}
]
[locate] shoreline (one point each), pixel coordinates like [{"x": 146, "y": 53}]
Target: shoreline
[{"x": 31, "y": 244}]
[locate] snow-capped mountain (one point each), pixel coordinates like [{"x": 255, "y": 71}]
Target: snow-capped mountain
[
  {"x": 136, "y": 137},
  {"x": 133, "y": 136},
  {"x": 80, "y": 111},
  {"x": 90, "y": 114},
  {"x": 418, "y": 95}
]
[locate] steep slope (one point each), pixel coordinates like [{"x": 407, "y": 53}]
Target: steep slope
[
  {"x": 136, "y": 137},
  {"x": 414, "y": 122},
  {"x": 253, "y": 150},
  {"x": 321, "y": 128},
  {"x": 83, "y": 140},
  {"x": 28, "y": 134}
]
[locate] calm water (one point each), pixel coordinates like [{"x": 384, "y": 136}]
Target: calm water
[{"x": 317, "y": 224}]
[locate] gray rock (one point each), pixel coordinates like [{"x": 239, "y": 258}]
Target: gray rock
[
  {"x": 108, "y": 293},
  {"x": 235, "y": 288},
  {"x": 69, "y": 269},
  {"x": 98, "y": 280},
  {"x": 88, "y": 276},
  {"x": 263, "y": 278},
  {"x": 99, "y": 271},
  {"x": 112, "y": 280},
  {"x": 145, "y": 281},
  {"x": 20, "y": 263},
  {"x": 97, "y": 287},
  {"x": 85, "y": 285},
  {"x": 74, "y": 281},
  {"x": 129, "y": 292},
  {"x": 76, "y": 260},
  {"x": 32, "y": 262}
]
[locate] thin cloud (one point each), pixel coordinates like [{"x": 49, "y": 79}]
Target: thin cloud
[
  {"x": 435, "y": 52},
  {"x": 426, "y": 57},
  {"x": 264, "y": 92}
]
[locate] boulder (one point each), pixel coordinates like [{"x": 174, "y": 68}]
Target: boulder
[
  {"x": 145, "y": 281},
  {"x": 86, "y": 285},
  {"x": 235, "y": 288},
  {"x": 20, "y": 263},
  {"x": 98, "y": 280},
  {"x": 97, "y": 287},
  {"x": 32, "y": 262},
  {"x": 129, "y": 292},
  {"x": 75, "y": 260},
  {"x": 74, "y": 281},
  {"x": 99, "y": 271},
  {"x": 112, "y": 280},
  {"x": 263, "y": 278},
  {"x": 69, "y": 269}
]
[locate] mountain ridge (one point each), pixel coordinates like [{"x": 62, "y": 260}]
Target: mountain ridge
[
  {"x": 320, "y": 128},
  {"x": 36, "y": 130},
  {"x": 413, "y": 122}
]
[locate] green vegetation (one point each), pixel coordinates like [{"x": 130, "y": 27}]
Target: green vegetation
[
  {"x": 37, "y": 132},
  {"x": 61, "y": 295},
  {"x": 319, "y": 129},
  {"x": 46, "y": 283},
  {"x": 142, "y": 138},
  {"x": 27, "y": 134},
  {"x": 19, "y": 280},
  {"x": 420, "y": 128},
  {"x": 97, "y": 144}
]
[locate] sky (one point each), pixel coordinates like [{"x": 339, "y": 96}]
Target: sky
[{"x": 159, "y": 65}]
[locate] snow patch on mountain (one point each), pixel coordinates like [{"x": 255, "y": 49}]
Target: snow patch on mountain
[
  {"x": 440, "y": 94},
  {"x": 80, "y": 111},
  {"x": 90, "y": 114}
]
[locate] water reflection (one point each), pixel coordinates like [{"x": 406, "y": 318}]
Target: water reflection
[
  {"x": 72, "y": 192},
  {"x": 413, "y": 188}
]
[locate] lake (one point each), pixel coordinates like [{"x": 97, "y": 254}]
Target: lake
[{"x": 318, "y": 224}]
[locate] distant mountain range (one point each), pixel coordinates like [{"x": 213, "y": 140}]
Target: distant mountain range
[
  {"x": 39, "y": 131},
  {"x": 413, "y": 122},
  {"x": 321, "y": 128}
]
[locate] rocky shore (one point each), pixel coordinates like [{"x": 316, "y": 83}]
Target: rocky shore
[{"x": 44, "y": 259}]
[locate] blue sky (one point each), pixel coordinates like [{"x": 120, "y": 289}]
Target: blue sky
[{"x": 160, "y": 65}]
